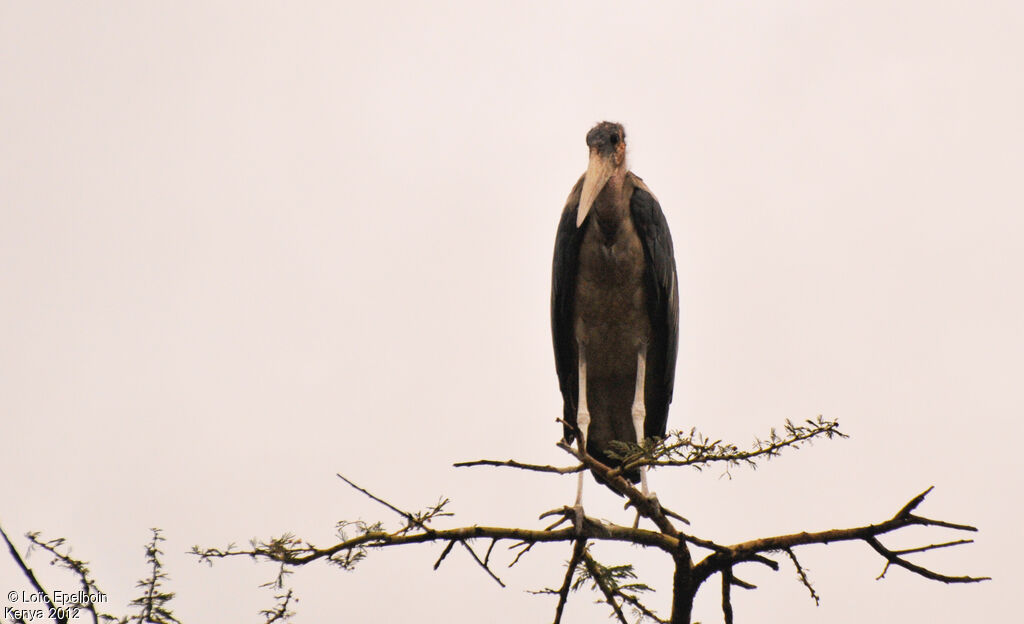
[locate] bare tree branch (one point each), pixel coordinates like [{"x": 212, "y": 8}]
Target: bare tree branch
[
  {"x": 727, "y": 583},
  {"x": 616, "y": 584},
  {"x": 30, "y": 576},
  {"x": 563, "y": 591},
  {"x": 525, "y": 549},
  {"x": 647, "y": 507},
  {"x": 606, "y": 580},
  {"x": 746, "y": 551},
  {"x": 153, "y": 602},
  {"x": 694, "y": 449},
  {"x": 609, "y": 593},
  {"x": 803, "y": 576},
  {"x": 511, "y": 463},
  {"x": 380, "y": 539},
  {"x": 481, "y": 563},
  {"x": 892, "y": 558},
  {"x": 420, "y": 521},
  {"x": 444, "y": 553},
  {"x": 280, "y": 612}
]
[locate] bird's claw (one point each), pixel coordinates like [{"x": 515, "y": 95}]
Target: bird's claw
[
  {"x": 652, "y": 498},
  {"x": 558, "y": 511}
]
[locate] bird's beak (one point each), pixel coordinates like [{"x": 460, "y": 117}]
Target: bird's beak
[{"x": 599, "y": 170}]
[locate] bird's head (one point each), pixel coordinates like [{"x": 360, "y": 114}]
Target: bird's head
[{"x": 607, "y": 143}]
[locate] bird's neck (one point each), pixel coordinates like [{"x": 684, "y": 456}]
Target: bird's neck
[{"x": 611, "y": 205}]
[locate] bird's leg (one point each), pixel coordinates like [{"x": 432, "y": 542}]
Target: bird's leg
[
  {"x": 639, "y": 413},
  {"x": 583, "y": 422}
]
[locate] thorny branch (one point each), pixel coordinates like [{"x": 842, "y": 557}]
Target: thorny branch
[
  {"x": 36, "y": 585},
  {"x": 617, "y": 585},
  {"x": 153, "y": 603},
  {"x": 594, "y": 570},
  {"x": 723, "y": 561},
  {"x": 802, "y": 574},
  {"x": 279, "y": 612},
  {"x": 511, "y": 463},
  {"x": 419, "y": 521},
  {"x": 694, "y": 449},
  {"x": 610, "y": 581},
  {"x": 727, "y": 583},
  {"x": 563, "y": 592}
]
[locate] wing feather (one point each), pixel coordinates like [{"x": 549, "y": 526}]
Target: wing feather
[
  {"x": 564, "y": 269},
  {"x": 663, "y": 304}
]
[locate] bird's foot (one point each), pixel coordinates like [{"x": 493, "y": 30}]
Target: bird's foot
[{"x": 652, "y": 498}]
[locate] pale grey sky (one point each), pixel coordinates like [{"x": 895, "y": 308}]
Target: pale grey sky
[{"x": 245, "y": 246}]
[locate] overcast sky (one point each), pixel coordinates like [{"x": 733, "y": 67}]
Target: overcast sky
[{"x": 245, "y": 246}]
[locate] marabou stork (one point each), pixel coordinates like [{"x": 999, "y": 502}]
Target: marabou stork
[{"x": 614, "y": 306}]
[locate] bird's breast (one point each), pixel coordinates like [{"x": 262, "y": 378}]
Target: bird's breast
[{"x": 611, "y": 315}]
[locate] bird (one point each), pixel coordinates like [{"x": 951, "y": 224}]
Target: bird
[{"x": 614, "y": 307}]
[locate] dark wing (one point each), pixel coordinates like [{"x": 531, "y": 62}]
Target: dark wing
[
  {"x": 663, "y": 305},
  {"x": 564, "y": 268}
]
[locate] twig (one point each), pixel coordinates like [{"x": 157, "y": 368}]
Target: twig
[
  {"x": 609, "y": 595},
  {"x": 383, "y": 539},
  {"x": 522, "y": 552},
  {"x": 32, "y": 578},
  {"x": 482, "y": 564},
  {"x": 412, "y": 520},
  {"x": 79, "y": 568},
  {"x": 738, "y": 582},
  {"x": 803, "y": 577},
  {"x": 487, "y": 557},
  {"x": 704, "y": 452},
  {"x": 280, "y": 612},
  {"x": 892, "y": 558},
  {"x": 727, "y": 583},
  {"x": 444, "y": 553},
  {"x": 750, "y": 551},
  {"x": 421, "y": 523},
  {"x": 563, "y": 592},
  {"x": 908, "y": 551},
  {"x": 511, "y": 463}
]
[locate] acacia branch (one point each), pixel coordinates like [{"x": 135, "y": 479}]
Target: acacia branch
[
  {"x": 79, "y": 568},
  {"x": 525, "y": 549},
  {"x": 693, "y": 449},
  {"x": 616, "y": 583},
  {"x": 420, "y": 521},
  {"x": 483, "y": 564},
  {"x": 727, "y": 583},
  {"x": 750, "y": 550},
  {"x": 645, "y": 506},
  {"x": 606, "y": 589},
  {"x": 892, "y": 558},
  {"x": 511, "y": 463},
  {"x": 303, "y": 553},
  {"x": 607, "y": 578},
  {"x": 803, "y": 576},
  {"x": 649, "y": 508},
  {"x": 27, "y": 571},
  {"x": 563, "y": 591},
  {"x": 280, "y": 611},
  {"x": 690, "y": 449},
  {"x": 414, "y": 520}
]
